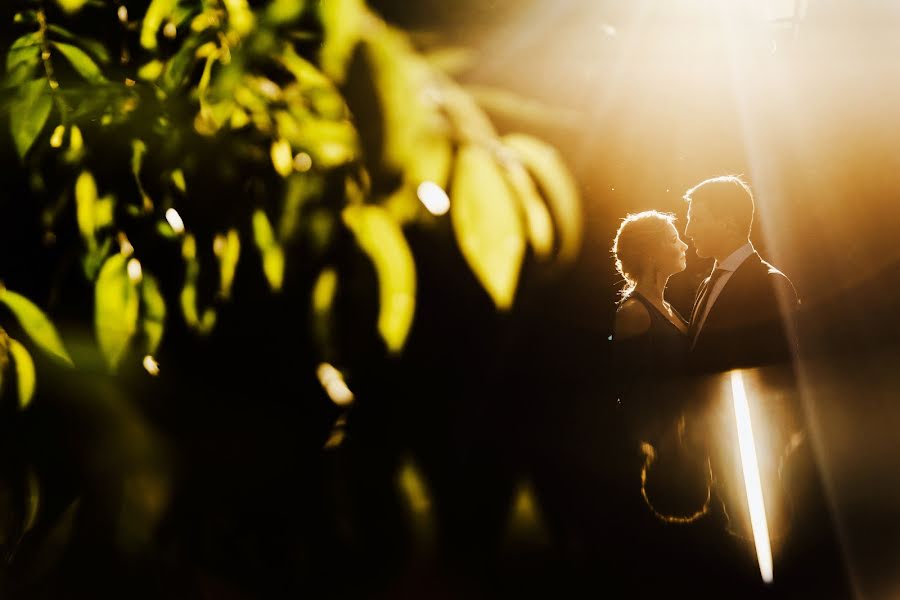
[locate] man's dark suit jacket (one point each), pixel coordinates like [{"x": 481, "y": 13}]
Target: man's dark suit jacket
[{"x": 752, "y": 322}]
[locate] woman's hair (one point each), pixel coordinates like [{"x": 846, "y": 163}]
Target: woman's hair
[{"x": 639, "y": 236}]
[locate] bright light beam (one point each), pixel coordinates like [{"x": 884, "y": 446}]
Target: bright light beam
[{"x": 752, "y": 484}]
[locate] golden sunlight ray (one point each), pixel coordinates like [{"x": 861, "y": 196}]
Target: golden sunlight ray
[{"x": 752, "y": 484}]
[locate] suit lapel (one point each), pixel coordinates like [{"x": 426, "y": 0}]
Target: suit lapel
[{"x": 721, "y": 308}]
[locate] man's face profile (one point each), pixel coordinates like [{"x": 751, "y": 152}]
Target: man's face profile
[{"x": 705, "y": 230}]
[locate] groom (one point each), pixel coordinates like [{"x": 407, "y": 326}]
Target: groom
[
  {"x": 743, "y": 312},
  {"x": 744, "y": 318}
]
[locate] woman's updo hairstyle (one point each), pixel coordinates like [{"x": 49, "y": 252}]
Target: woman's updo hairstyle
[{"x": 639, "y": 236}]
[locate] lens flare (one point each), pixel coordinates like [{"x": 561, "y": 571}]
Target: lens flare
[
  {"x": 752, "y": 484},
  {"x": 433, "y": 197}
]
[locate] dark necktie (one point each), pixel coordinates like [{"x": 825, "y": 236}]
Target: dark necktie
[{"x": 703, "y": 300}]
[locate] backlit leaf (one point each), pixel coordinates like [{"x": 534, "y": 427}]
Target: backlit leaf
[
  {"x": 342, "y": 21},
  {"x": 85, "y": 209},
  {"x": 26, "y": 49},
  {"x": 240, "y": 17},
  {"x": 557, "y": 185},
  {"x": 537, "y": 218},
  {"x": 25, "y": 374},
  {"x": 228, "y": 260},
  {"x": 116, "y": 308},
  {"x": 89, "y": 44},
  {"x": 71, "y": 6},
  {"x": 29, "y": 112},
  {"x": 156, "y": 14},
  {"x": 35, "y": 324},
  {"x": 83, "y": 63},
  {"x": 382, "y": 240},
  {"x": 282, "y": 159},
  {"x": 486, "y": 223},
  {"x": 154, "y": 312},
  {"x": 272, "y": 253}
]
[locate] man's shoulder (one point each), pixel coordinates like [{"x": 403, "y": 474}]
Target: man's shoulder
[{"x": 780, "y": 282}]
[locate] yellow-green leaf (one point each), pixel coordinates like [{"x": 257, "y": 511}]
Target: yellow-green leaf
[
  {"x": 486, "y": 223},
  {"x": 35, "y": 324},
  {"x": 85, "y": 206},
  {"x": 324, "y": 290},
  {"x": 90, "y": 44},
  {"x": 24, "y": 372},
  {"x": 156, "y": 13},
  {"x": 560, "y": 191},
  {"x": 240, "y": 17},
  {"x": 537, "y": 218},
  {"x": 280, "y": 12},
  {"x": 83, "y": 63},
  {"x": 71, "y": 6},
  {"x": 342, "y": 21},
  {"x": 116, "y": 309},
  {"x": 382, "y": 240},
  {"x": 272, "y": 253},
  {"x": 228, "y": 254},
  {"x": 29, "y": 112},
  {"x": 151, "y": 71},
  {"x": 282, "y": 158},
  {"x": 154, "y": 312},
  {"x": 103, "y": 212}
]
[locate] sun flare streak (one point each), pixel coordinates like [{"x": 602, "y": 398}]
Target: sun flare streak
[{"x": 752, "y": 484}]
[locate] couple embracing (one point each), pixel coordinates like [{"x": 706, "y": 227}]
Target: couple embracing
[{"x": 742, "y": 318}]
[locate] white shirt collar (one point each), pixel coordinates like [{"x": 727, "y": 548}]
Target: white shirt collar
[{"x": 736, "y": 258}]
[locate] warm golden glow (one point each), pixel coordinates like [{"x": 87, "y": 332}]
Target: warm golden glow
[
  {"x": 433, "y": 197},
  {"x": 752, "y": 484}
]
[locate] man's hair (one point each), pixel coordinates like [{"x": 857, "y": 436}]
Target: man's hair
[
  {"x": 727, "y": 196},
  {"x": 639, "y": 236}
]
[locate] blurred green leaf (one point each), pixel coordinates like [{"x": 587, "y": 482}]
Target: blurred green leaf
[
  {"x": 104, "y": 212},
  {"x": 35, "y": 324},
  {"x": 188, "y": 297},
  {"x": 29, "y": 112},
  {"x": 323, "y": 294},
  {"x": 71, "y": 6},
  {"x": 156, "y": 14},
  {"x": 342, "y": 22},
  {"x": 300, "y": 188},
  {"x": 179, "y": 66},
  {"x": 272, "y": 253},
  {"x": 512, "y": 106},
  {"x": 557, "y": 185},
  {"x": 537, "y": 217},
  {"x": 229, "y": 254},
  {"x": 452, "y": 60},
  {"x": 138, "y": 149},
  {"x": 240, "y": 17},
  {"x": 24, "y": 50},
  {"x": 90, "y": 44},
  {"x": 116, "y": 308},
  {"x": 83, "y": 63},
  {"x": 280, "y": 12},
  {"x": 154, "y": 312},
  {"x": 381, "y": 239},
  {"x": 324, "y": 291},
  {"x": 85, "y": 207},
  {"x": 25, "y": 375},
  {"x": 486, "y": 223}
]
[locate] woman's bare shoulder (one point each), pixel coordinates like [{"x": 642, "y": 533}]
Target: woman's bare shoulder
[{"x": 632, "y": 319}]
